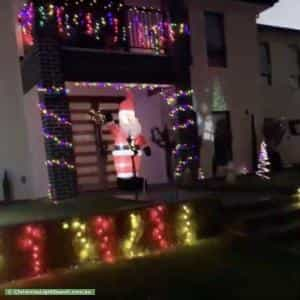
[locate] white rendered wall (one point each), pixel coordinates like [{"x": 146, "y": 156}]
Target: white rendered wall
[
  {"x": 238, "y": 81},
  {"x": 37, "y": 154},
  {"x": 282, "y": 99},
  {"x": 151, "y": 111},
  {"x": 13, "y": 134}
]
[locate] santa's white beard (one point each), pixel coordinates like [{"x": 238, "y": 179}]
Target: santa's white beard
[{"x": 132, "y": 129}]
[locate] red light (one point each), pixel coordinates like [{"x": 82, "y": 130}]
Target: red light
[
  {"x": 103, "y": 228},
  {"x": 32, "y": 242},
  {"x": 159, "y": 234}
]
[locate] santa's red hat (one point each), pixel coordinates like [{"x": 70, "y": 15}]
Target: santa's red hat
[{"x": 128, "y": 103}]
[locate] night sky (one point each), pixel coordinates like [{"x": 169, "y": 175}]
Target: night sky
[{"x": 283, "y": 14}]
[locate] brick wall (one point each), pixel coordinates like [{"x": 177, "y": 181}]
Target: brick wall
[{"x": 62, "y": 179}]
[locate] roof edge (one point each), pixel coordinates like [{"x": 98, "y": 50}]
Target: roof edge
[{"x": 263, "y": 27}]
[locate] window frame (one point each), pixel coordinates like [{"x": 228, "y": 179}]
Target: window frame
[
  {"x": 216, "y": 59},
  {"x": 268, "y": 74}
]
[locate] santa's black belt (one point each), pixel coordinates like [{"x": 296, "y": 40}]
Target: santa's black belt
[{"x": 125, "y": 148}]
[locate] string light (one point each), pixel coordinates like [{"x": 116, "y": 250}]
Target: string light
[
  {"x": 164, "y": 88},
  {"x": 59, "y": 18},
  {"x": 31, "y": 241},
  {"x": 180, "y": 108},
  {"x": 52, "y": 115},
  {"x": 185, "y": 125},
  {"x": 82, "y": 244},
  {"x": 26, "y": 19},
  {"x": 120, "y": 86},
  {"x": 53, "y": 90},
  {"x": 183, "y": 163},
  {"x": 75, "y": 15},
  {"x": 59, "y": 163},
  {"x": 104, "y": 230},
  {"x": 186, "y": 226},
  {"x": 180, "y": 148},
  {"x": 130, "y": 247},
  {"x": 158, "y": 227},
  {"x": 56, "y": 140},
  {"x": 89, "y": 24}
]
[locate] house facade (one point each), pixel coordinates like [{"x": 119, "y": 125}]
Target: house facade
[
  {"x": 279, "y": 84},
  {"x": 224, "y": 74},
  {"x": 211, "y": 47},
  {"x": 82, "y": 57}
]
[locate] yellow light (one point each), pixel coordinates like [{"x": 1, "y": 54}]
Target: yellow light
[
  {"x": 84, "y": 254},
  {"x": 65, "y": 226},
  {"x": 185, "y": 228},
  {"x": 75, "y": 224},
  {"x": 130, "y": 246}
]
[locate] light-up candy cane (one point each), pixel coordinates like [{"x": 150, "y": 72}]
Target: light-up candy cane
[
  {"x": 186, "y": 230},
  {"x": 104, "y": 229},
  {"x": 130, "y": 246},
  {"x": 158, "y": 227},
  {"x": 32, "y": 241},
  {"x": 83, "y": 245}
]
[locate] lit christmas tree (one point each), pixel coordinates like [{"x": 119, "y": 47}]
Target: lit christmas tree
[
  {"x": 263, "y": 162},
  {"x": 218, "y": 98}
]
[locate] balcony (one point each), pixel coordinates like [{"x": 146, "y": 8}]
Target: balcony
[
  {"x": 120, "y": 43},
  {"x": 122, "y": 29}
]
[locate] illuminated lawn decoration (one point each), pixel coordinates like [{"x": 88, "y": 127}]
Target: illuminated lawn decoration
[
  {"x": 32, "y": 242},
  {"x": 84, "y": 248},
  {"x": 263, "y": 162},
  {"x": 159, "y": 234},
  {"x": 130, "y": 245},
  {"x": 101, "y": 238},
  {"x": 104, "y": 230},
  {"x": 186, "y": 230}
]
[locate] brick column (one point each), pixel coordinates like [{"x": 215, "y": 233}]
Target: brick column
[
  {"x": 62, "y": 179},
  {"x": 181, "y": 55}
]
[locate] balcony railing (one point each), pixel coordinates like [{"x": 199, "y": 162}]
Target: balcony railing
[
  {"x": 127, "y": 29},
  {"x": 147, "y": 31}
]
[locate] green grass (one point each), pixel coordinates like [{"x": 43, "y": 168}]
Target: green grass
[{"x": 211, "y": 270}]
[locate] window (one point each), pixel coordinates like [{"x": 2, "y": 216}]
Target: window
[
  {"x": 265, "y": 63},
  {"x": 293, "y": 61},
  {"x": 215, "y": 39}
]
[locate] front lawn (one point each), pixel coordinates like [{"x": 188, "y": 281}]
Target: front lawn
[{"x": 212, "y": 270}]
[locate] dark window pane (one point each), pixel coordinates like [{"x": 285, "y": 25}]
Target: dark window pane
[
  {"x": 265, "y": 62},
  {"x": 215, "y": 39}
]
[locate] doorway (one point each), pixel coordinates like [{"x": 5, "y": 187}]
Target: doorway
[
  {"x": 92, "y": 144},
  {"x": 223, "y": 142}
]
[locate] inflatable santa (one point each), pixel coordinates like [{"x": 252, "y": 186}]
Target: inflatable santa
[{"x": 129, "y": 143}]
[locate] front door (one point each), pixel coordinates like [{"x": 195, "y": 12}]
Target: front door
[
  {"x": 223, "y": 141},
  {"x": 92, "y": 144}
]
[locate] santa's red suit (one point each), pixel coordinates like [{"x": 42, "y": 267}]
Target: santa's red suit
[{"x": 128, "y": 129}]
